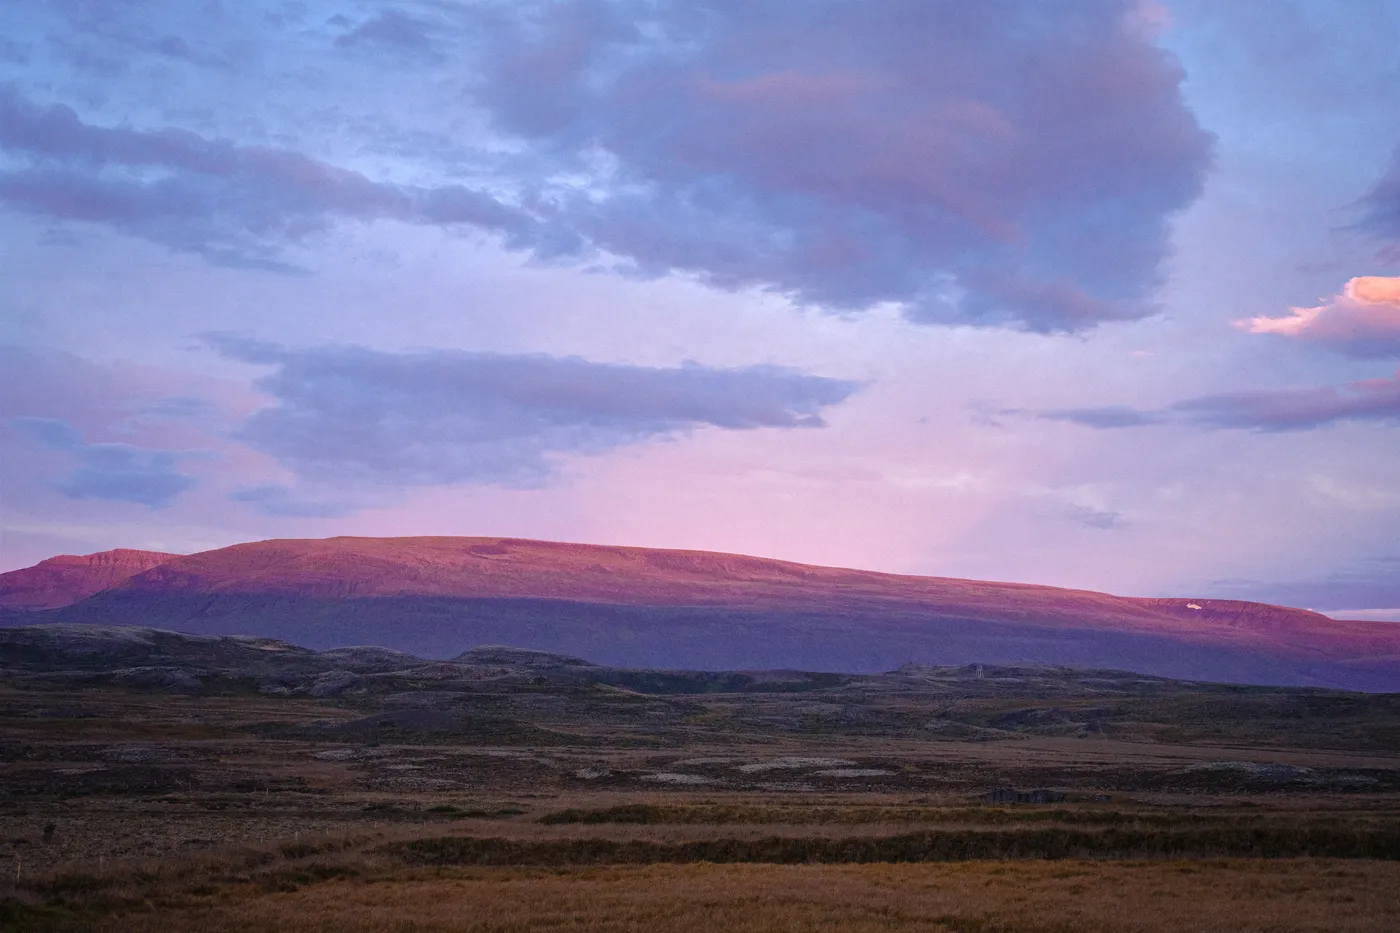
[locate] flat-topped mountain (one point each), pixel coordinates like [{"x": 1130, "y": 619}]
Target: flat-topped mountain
[
  {"x": 645, "y": 607},
  {"x": 63, "y": 580}
]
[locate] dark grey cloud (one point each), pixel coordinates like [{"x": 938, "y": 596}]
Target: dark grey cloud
[
  {"x": 233, "y": 204},
  {"x": 1260, "y": 410},
  {"x": 115, "y": 472},
  {"x": 1001, "y": 162},
  {"x": 368, "y": 419},
  {"x": 1381, "y": 209},
  {"x": 392, "y": 30}
]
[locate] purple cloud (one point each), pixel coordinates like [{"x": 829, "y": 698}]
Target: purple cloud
[
  {"x": 1381, "y": 209},
  {"x": 96, "y": 397},
  {"x": 287, "y": 502},
  {"x": 370, "y": 419},
  {"x": 1108, "y": 416},
  {"x": 229, "y": 202},
  {"x": 1261, "y": 409},
  {"x": 115, "y": 472},
  {"x": 392, "y": 30},
  {"x": 998, "y": 163},
  {"x": 1297, "y": 409}
]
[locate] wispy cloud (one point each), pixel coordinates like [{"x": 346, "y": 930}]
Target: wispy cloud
[
  {"x": 234, "y": 204},
  {"x": 115, "y": 472},
  {"x": 372, "y": 419},
  {"x": 1292, "y": 409},
  {"x": 1296, "y": 409},
  {"x": 1367, "y": 584},
  {"x": 1107, "y": 416},
  {"x": 1381, "y": 209}
]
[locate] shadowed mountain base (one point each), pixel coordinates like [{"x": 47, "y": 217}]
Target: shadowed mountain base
[{"x": 705, "y": 638}]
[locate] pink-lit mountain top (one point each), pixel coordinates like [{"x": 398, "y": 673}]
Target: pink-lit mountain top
[
  {"x": 63, "y": 580},
  {"x": 574, "y": 595}
]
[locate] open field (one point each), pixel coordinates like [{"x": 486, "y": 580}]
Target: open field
[
  {"x": 512, "y": 791},
  {"x": 968, "y": 897}
]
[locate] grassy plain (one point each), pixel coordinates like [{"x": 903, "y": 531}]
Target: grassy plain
[
  {"x": 1238, "y": 896},
  {"x": 517, "y": 793}
]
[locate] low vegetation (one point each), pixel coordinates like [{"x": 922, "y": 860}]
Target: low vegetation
[
  {"x": 1211, "y": 896},
  {"x": 512, "y": 791}
]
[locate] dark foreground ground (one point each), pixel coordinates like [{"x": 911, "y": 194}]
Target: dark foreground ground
[{"x": 152, "y": 782}]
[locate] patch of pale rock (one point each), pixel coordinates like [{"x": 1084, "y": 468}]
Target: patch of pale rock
[
  {"x": 793, "y": 763},
  {"x": 673, "y": 777},
  {"x": 592, "y": 774}
]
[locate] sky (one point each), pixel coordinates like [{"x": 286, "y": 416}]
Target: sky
[{"x": 1102, "y": 294}]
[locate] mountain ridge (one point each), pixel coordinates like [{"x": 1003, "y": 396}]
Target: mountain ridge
[
  {"x": 678, "y": 608},
  {"x": 66, "y": 578}
]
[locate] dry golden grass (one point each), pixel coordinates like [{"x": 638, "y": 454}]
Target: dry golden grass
[
  {"x": 1238, "y": 896},
  {"x": 142, "y": 813}
]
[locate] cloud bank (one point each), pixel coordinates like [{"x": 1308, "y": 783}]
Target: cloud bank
[
  {"x": 996, "y": 163},
  {"x": 369, "y": 419},
  {"x": 999, "y": 163},
  {"x": 1363, "y": 321}
]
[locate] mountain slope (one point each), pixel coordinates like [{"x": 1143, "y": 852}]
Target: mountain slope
[
  {"x": 660, "y": 608},
  {"x": 496, "y": 568},
  {"x": 63, "y": 580}
]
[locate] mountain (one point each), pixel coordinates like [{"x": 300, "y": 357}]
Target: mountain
[
  {"x": 642, "y": 607},
  {"x": 63, "y": 580}
]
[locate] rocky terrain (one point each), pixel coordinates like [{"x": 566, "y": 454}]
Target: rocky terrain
[
  {"x": 638, "y": 607},
  {"x": 520, "y": 695}
]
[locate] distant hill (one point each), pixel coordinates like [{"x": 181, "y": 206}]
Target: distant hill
[
  {"x": 642, "y": 607},
  {"x": 143, "y": 657},
  {"x": 63, "y": 580}
]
